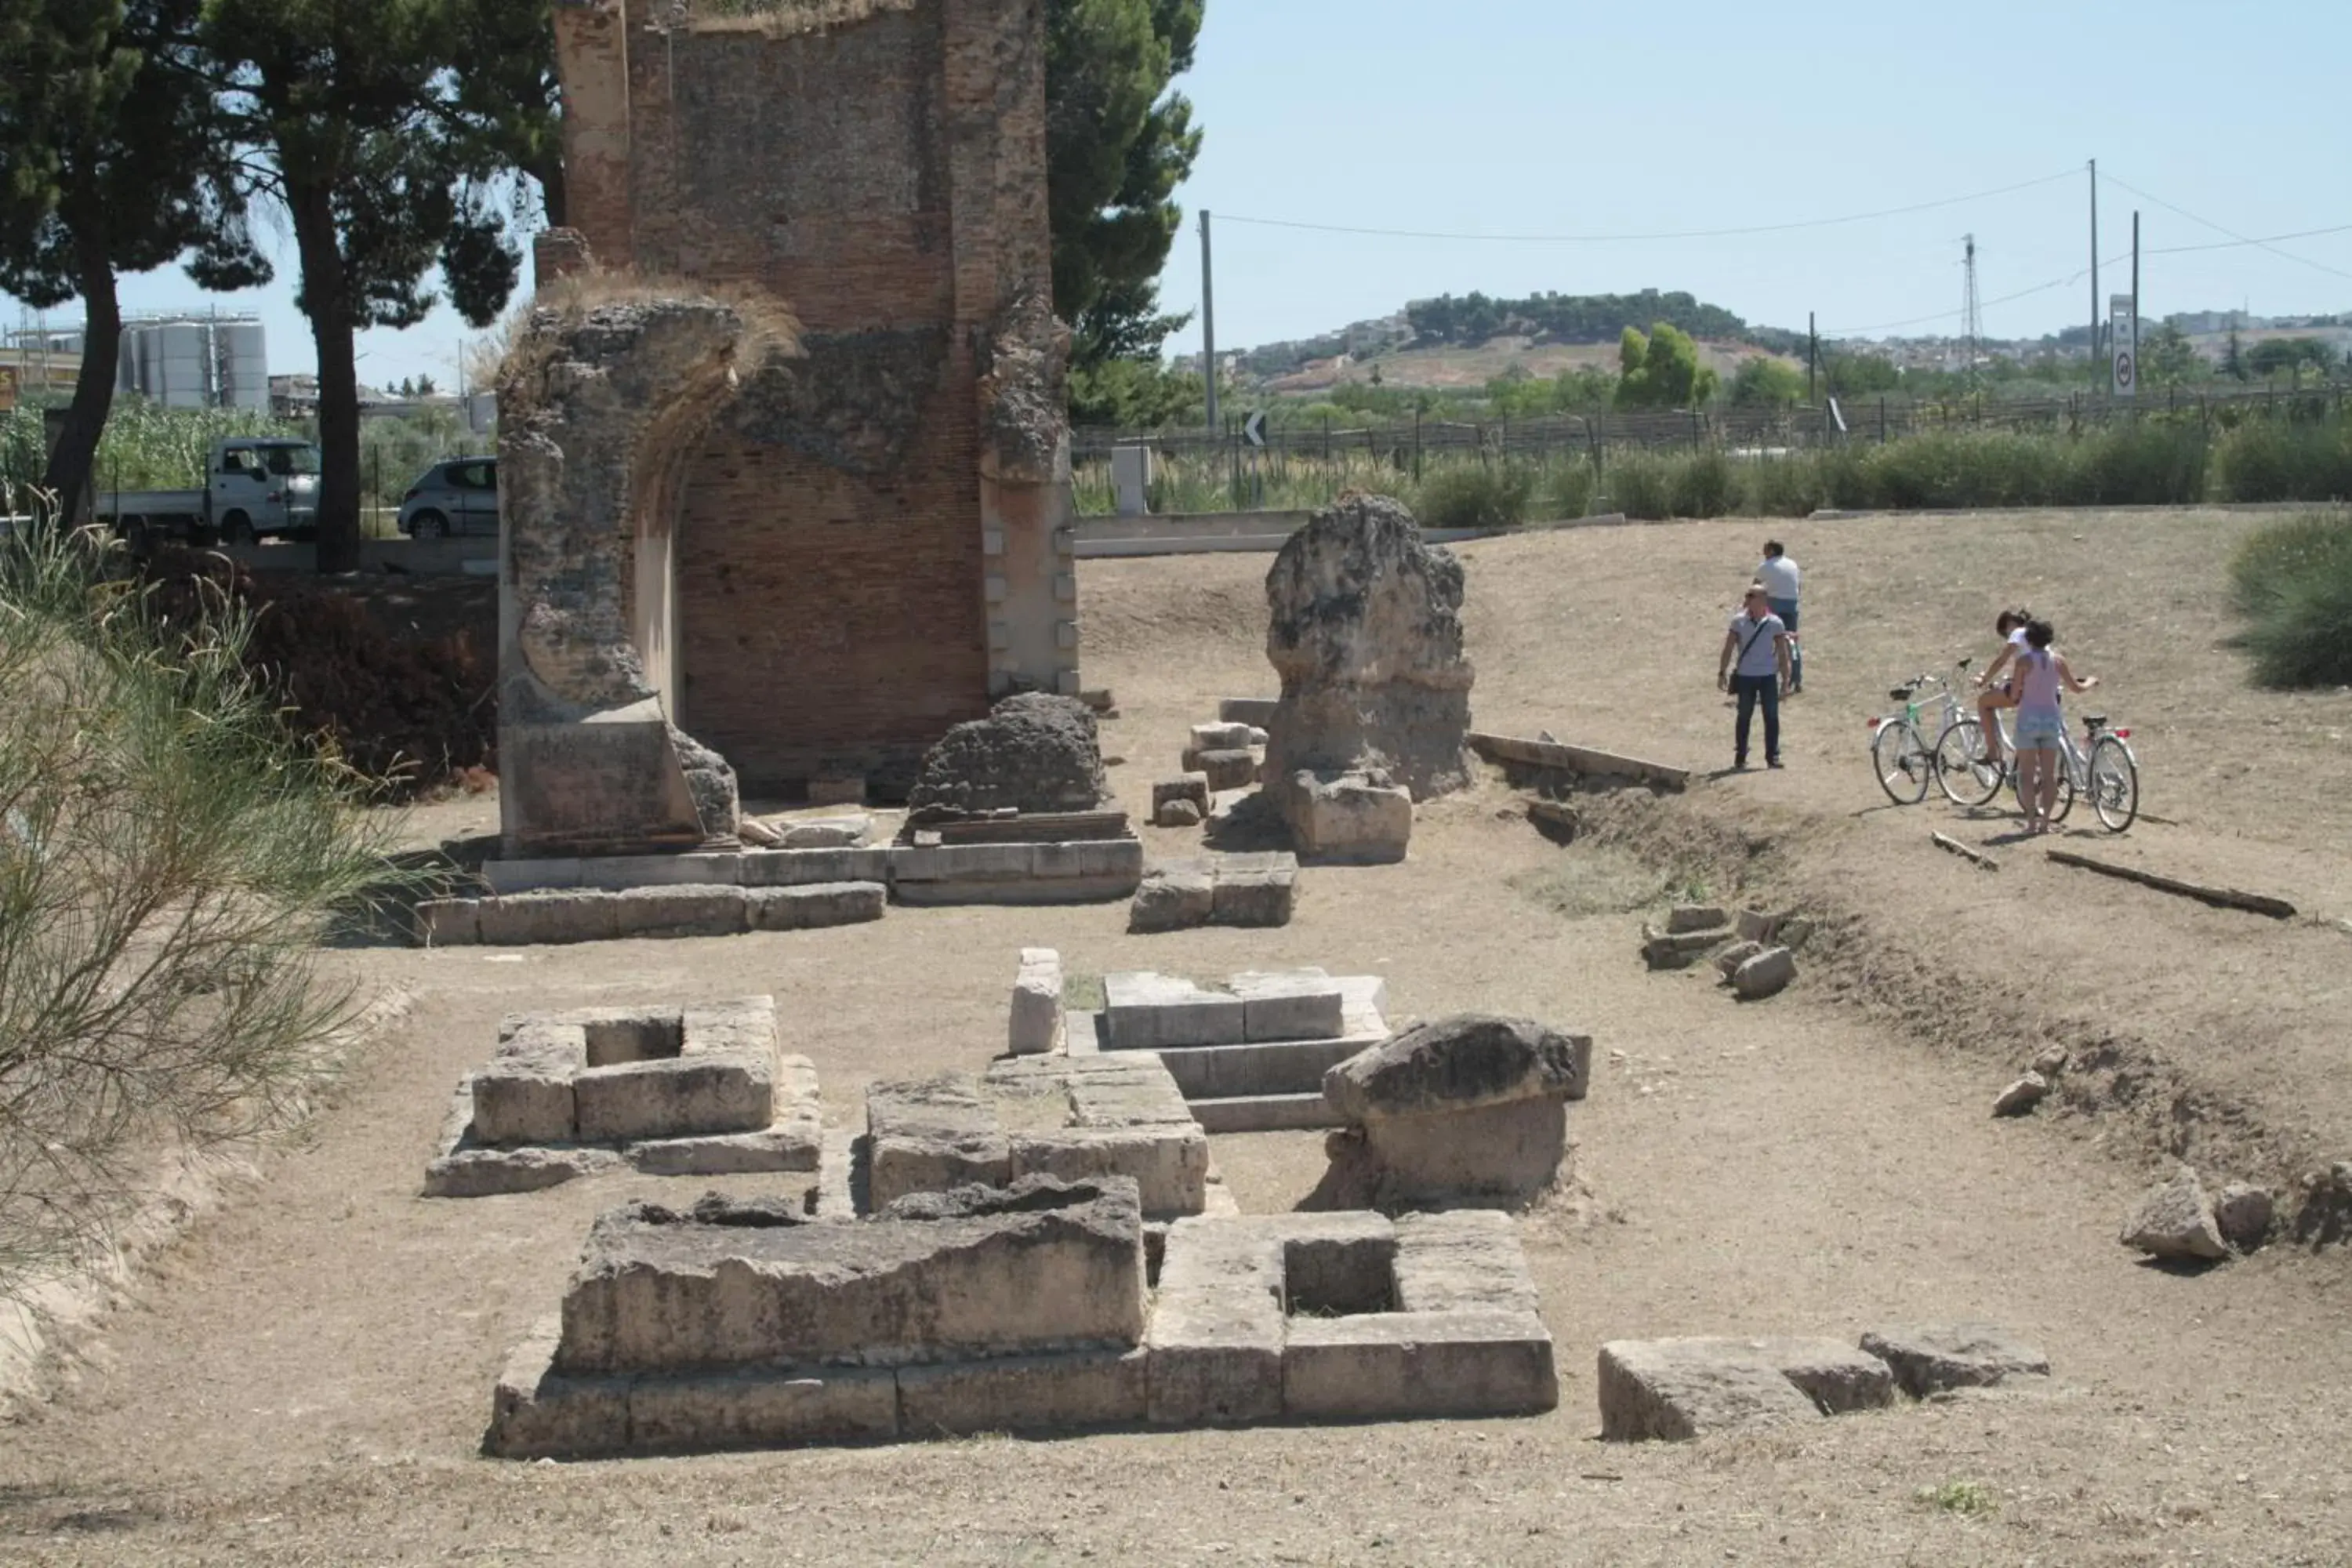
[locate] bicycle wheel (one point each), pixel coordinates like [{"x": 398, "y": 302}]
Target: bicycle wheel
[
  {"x": 2064, "y": 800},
  {"x": 1903, "y": 762},
  {"x": 2115, "y": 785},
  {"x": 1961, "y": 770}
]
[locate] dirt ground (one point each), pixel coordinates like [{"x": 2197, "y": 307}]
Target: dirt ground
[{"x": 307, "y": 1376}]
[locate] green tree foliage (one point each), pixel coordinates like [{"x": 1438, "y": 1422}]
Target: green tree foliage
[
  {"x": 1765, "y": 382},
  {"x": 113, "y": 159},
  {"x": 2233, "y": 358},
  {"x": 2288, "y": 356},
  {"x": 1565, "y": 318},
  {"x": 1135, "y": 395},
  {"x": 1117, "y": 143},
  {"x": 365, "y": 136},
  {"x": 1661, "y": 369},
  {"x": 1851, "y": 374},
  {"x": 2166, "y": 358}
]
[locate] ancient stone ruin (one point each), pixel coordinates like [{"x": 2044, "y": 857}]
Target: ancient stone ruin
[
  {"x": 1366, "y": 634},
  {"x": 785, "y": 472},
  {"x": 986, "y": 1309},
  {"x": 701, "y": 1090},
  {"x": 1470, "y": 1109},
  {"x": 1034, "y": 752},
  {"x": 1249, "y": 1055}
]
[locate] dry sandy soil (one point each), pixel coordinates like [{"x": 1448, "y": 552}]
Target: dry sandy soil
[{"x": 306, "y": 1378}]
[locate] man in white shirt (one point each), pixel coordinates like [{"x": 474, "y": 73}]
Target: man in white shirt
[
  {"x": 1754, "y": 664},
  {"x": 1781, "y": 580}
]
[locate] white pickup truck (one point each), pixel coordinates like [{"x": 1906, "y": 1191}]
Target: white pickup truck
[{"x": 255, "y": 486}]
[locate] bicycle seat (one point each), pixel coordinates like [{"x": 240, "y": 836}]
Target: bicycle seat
[
  {"x": 1900, "y": 693},
  {"x": 2095, "y": 720}
]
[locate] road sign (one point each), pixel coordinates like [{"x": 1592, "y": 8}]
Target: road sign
[
  {"x": 2123, "y": 335},
  {"x": 1254, "y": 428}
]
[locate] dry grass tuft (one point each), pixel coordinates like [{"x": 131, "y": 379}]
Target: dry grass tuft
[{"x": 768, "y": 330}]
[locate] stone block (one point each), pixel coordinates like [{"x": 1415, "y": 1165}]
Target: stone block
[
  {"x": 1279, "y": 1066},
  {"x": 1034, "y": 1025},
  {"x": 680, "y": 911},
  {"x": 1462, "y": 1260},
  {"x": 449, "y": 923},
  {"x": 1169, "y": 1166},
  {"x": 1766, "y": 975},
  {"x": 1683, "y": 918},
  {"x": 1225, "y": 735},
  {"x": 524, "y": 1094},
  {"x": 827, "y": 832},
  {"x": 1757, "y": 925},
  {"x": 1119, "y": 860},
  {"x": 1404, "y": 1365},
  {"x": 2175, "y": 1221},
  {"x": 1177, "y": 813},
  {"x": 1143, "y": 1011},
  {"x": 1215, "y": 1355},
  {"x": 2243, "y": 1213},
  {"x": 798, "y": 868},
  {"x": 1510, "y": 1152},
  {"x": 791, "y": 1148},
  {"x": 814, "y": 905},
  {"x": 1728, "y": 961},
  {"x": 700, "y": 869},
  {"x": 1231, "y": 768},
  {"x": 1191, "y": 787},
  {"x": 1674, "y": 1390},
  {"x": 1176, "y": 896},
  {"x": 1014, "y": 1394},
  {"x": 1460, "y": 1063},
  {"x": 979, "y": 1272},
  {"x": 534, "y": 920},
  {"x": 1257, "y": 711},
  {"x": 678, "y": 1097},
  {"x": 1931, "y": 1359},
  {"x": 1290, "y": 1005},
  {"x": 928, "y": 1135},
  {"x": 1252, "y": 896},
  {"x": 493, "y": 1173},
  {"x": 536, "y": 1415},
  {"x": 762, "y": 1408},
  {"x": 1348, "y": 819}
]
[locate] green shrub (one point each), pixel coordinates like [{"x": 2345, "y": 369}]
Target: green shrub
[
  {"x": 1569, "y": 489},
  {"x": 2280, "y": 459},
  {"x": 1706, "y": 484},
  {"x": 170, "y": 856},
  {"x": 1475, "y": 495},
  {"x": 1642, "y": 485},
  {"x": 2292, "y": 581}
]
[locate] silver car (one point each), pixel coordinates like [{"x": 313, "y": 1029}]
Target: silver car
[{"x": 455, "y": 495}]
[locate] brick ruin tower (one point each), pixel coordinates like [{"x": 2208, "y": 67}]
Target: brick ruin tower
[{"x": 803, "y": 564}]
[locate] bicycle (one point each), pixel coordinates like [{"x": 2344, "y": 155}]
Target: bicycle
[
  {"x": 1899, "y": 748},
  {"x": 2102, "y": 767}
]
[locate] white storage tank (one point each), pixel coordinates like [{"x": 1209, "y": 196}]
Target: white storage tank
[
  {"x": 187, "y": 366},
  {"x": 243, "y": 358}
]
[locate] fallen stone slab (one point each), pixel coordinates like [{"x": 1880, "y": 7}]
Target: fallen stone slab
[
  {"x": 1685, "y": 918},
  {"x": 492, "y": 1173},
  {"x": 815, "y": 906},
  {"x": 1147, "y": 1011},
  {"x": 1674, "y": 1391},
  {"x": 1728, "y": 961},
  {"x": 1035, "y": 1025},
  {"x": 1192, "y": 788},
  {"x": 1679, "y": 950},
  {"x": 1936, "y": 1358},
  {"x": 1230, "y": 768},
  {"x": 2174, "y": 1221},
  {"x": 1389, "y": 1366},
  {"x": 1177, "y": 813},
  {"x": 1257, "y": 712},
  {"x": 1459, "y": 1063},
  {"x": 1225, "y": 735},
  {"x": 1765, "y": 975},
  {"x": 1254, "y": 890}
]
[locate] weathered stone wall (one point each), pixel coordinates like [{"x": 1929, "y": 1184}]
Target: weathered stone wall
[{"x": 872, "y": 542}]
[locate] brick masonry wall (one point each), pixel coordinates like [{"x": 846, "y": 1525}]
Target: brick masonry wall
[{"x": 830, "y": 616}]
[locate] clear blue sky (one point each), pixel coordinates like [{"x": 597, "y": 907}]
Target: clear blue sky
[{"x": 1532, "y": 116}]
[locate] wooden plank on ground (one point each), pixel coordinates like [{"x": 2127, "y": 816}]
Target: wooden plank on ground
[
  {"x": 1584, "y": 760},
  {"x": 1946, "y": 841},
  {"x": 2219, "y": 897}
]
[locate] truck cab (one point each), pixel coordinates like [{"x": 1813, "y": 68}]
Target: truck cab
[{"x": 262, "y": 485}]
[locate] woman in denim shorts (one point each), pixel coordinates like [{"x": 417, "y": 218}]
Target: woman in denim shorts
[{"x": 2042, "y": 675}]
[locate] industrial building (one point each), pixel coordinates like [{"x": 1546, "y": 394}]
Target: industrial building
[{"x": 180, "y": 361}]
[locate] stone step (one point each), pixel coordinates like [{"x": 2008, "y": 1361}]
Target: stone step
[
  {"x": 1275, "y": 1067},
  {"x": 1265, "y": 1113}
]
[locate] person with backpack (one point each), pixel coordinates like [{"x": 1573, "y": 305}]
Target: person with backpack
[
  {"x": 1755, "y": 666},
  {"x": 2043, "y": 676}
]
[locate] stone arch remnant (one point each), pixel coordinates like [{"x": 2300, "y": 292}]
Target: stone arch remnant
[{"x": 605, "y": 397}]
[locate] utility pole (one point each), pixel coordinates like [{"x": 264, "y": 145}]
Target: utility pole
[
  {"x": 1971, "y": 313},
  {"x": 2135, "y": 319},
  {"x": 2094, "y": 266},
  {"x": 1812, "y": 355},
  {"x": 1209, "y": 323}
]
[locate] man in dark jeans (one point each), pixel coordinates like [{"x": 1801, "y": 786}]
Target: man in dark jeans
[{"x": 1754, "y": 664}]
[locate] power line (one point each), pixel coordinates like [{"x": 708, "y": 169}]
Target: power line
[
  {"x": 2239, "y": 238},
  {"x": 1672, "y": 234}
]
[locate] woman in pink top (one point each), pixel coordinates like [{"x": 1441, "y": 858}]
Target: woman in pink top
[{"x": 2041, "y": 676}]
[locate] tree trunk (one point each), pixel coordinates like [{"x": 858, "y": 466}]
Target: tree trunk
[
  {"x": 68, "y": 474},
  {"x": 326, "y": 300}
]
